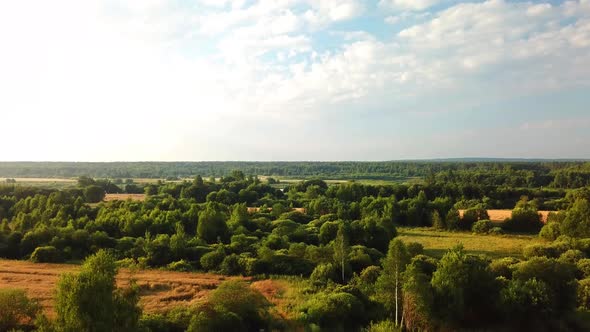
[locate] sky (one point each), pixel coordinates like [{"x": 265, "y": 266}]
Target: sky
[{"x": 191, "y": 80}]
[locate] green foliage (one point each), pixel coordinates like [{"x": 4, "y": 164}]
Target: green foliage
[
  {"x": 94, "y": 194},
  {"x": 212, "y": 226},
  {"x": 181, "y": 265},
  {"x": 334, "y": 311},
  {"x": 577, "y": 219},
  {"x": 459, "y": 284},
  {"x": 211, "y": 261},
  {"x": 90, "y": 301},
  {"x": 46, "y": 254},
  {"x": 525, "y": 217},
  {"x": 559, "y": 278},
  {"x": 323, "y": 273},
  {"x": 249, "y": 305},
  {"x": 482, "y": 227},
  {"x": 550, "y": 231},
  {"x": 16, "y": 309},
  {"x": 583, "y": 294}
]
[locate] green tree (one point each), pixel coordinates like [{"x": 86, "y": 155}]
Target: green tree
[
  {"x": 341, "y": 249},
  {"x": 89, "y": 301},
  {"x": 390, "y": 281},
  {"x": 16, "y": 309},
  {"x": 94, "y": 194},
  {"x": 577, "y": 219},
  {"x": 212, "y": 226}
]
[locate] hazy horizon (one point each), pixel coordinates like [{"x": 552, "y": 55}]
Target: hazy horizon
[{"x": 294, "y": 80}]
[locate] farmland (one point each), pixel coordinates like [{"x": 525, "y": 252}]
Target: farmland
[{"x": 160, "y": 290}]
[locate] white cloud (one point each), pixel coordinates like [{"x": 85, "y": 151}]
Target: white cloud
[
  {"x": 196, "y": 76},
  {"x": 411, "y": 5}
]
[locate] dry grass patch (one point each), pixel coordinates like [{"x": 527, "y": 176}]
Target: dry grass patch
[
  {"x": 160, "y": 290},
  {"x": 124, "y": 197}
]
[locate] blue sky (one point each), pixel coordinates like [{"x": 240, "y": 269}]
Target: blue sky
[{"x": 104, "y": 80}]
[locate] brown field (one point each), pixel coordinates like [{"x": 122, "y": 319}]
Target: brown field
[
  {"x": 501, "y": 215},
  {"x": 160, "y": 290},
  {"x": 124, "y": 197}
]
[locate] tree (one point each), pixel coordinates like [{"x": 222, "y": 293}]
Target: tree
[
  {"x": 460, "y": 283},
  {"x": 418, "y": 300},
  {"x": 525, "y": 217},
  {"x": 94, "y": 194},
  {"x": 89, "y": 301},
  {"x": 390, "y": 281},
  {"x": 437, "y": 221},
  {"x": 341, "y": 249},
  {"x": 16, "y": 309},
  {"x": 577, "y": 219},
  {"x": 212, "y": 226}
]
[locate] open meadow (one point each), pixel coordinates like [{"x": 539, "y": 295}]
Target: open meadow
[{"x": 436, "y": 242}]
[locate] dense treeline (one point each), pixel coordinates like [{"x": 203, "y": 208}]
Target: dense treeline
[
  {"x": 536, "y": 174},
  {"x": 342, "y": 238}
]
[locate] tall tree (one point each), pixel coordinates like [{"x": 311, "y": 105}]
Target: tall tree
[
  {"x": 390, "y": 281},
  {"x": 341, "y": 249}
]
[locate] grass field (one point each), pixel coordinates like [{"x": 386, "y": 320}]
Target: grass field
[
  {"x": 436, "y": 243},
  {"x": 160, "y": 290}
]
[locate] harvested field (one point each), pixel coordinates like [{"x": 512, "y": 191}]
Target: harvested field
[
  {"x": 501, "y": 215},
  {"x": 124, "y": 197},
  {"x": 160, "y": 290}
]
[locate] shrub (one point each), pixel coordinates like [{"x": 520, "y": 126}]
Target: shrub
[
  {"x": 180, "y": 265},
  {"x": 323, "y": 273},
  {"x": 583, "y": 266},
  {"x": 16, "y": 309},
  {"x": 482, "y": 227},
  {"x": 502, "y": 267},
  {"x": 414, "y": 248},
  {"x": 47, "y": 254},
  {"x": 571, "y": 256},
  {"x": 496, "y": 231},
  {"x": 583, "y": 294},
  {"x": 211, "y": 261},
  {"x": 334, "y": 311},
  {"x": 382, "y": 326},
  {"x": 231, "y": 265},
  {"x": 540, "y": 250},
  {"x": 248, "y": 304},
  {"x": 550, "y": 231}
]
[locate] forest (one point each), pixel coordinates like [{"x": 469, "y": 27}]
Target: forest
[{"x": 338, "y": 243}]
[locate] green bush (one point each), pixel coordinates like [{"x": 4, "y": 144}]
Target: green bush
[
  {"x": 16, "y": 309},
  {"x": 414, "y": 248},
  {"x": 211, "y": 261},
  {"x": 334, "y": 311},
  {"x": 324, "y": 273},
  {"x": 482, "y": 227},
  {"x": 571, "y": 256},
  {"x": 248, "y": 304},
  {"x": 231, "y": 265},
  {"x": 496, "y": 231},
  {"x": 583, "y": 266},
  {"x": 47, "y": 254},
  {"x": 550, "y": 231},
  {"x": 502, "y": 267},
  {"x": 584, "y": 294},
  {"x": 181, "y": 265},
  {"x": 540, "y": 250}
]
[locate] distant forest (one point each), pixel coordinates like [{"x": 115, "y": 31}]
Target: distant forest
[{"x": 530, "y": 174}]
